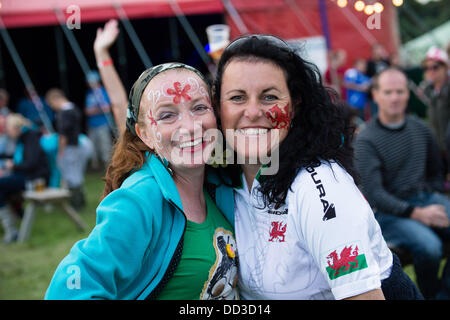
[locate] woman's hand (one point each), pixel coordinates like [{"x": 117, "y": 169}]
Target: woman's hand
[{"x": 106, "y": 37}]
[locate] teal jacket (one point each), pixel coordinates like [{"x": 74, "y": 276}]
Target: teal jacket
[{"x": 137, "y": 240}]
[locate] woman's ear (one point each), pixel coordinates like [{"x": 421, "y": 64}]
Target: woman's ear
[{"x": 144, "y": 136}]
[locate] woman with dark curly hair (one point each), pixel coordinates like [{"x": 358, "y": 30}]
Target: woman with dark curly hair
[{"x": 303, "y": 228}]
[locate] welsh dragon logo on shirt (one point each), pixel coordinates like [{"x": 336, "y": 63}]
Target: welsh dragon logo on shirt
[{"x": 345, "y": 260}]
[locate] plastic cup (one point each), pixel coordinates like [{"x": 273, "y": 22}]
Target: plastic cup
[
  {"x": 218, "y": 36},
  {"x": 39, "y": 184}
]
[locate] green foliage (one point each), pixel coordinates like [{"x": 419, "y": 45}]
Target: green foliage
[{"x": 416, "y": 18}]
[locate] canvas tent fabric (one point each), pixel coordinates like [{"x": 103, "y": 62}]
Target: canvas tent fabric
[
  {"x": 348, "y": 29},
  {"x": 288, "y": 19},
  {"x": 30, "y": 13}
]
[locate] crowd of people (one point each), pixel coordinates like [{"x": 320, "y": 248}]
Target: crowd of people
[
  {"x": 33, "y": 155},
  {"x": 358, "y": 174}
]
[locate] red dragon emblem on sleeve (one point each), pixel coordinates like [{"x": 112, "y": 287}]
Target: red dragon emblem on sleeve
[
  {"x": 277, "y": 232},
  {"x": 347, "y": 260}
]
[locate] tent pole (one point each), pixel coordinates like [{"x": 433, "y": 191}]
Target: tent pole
[
  {"x": 324, "y": 22},
  {"x": 301, "y": 17},
  {"x": 133, "y": 36},
  {"x": 62, "y": 62},
  {"x": 83, "y": 63},
  {"x": 25, "y": 78},
  {"x": 326, "y": 32},
  {"x": 174, "y": 39},
  {"x": 191, "y": 34},
  {"x": 2, "y": 70},
  {"x": 122, "y": 54},
  {"x": 235, "y": 16}
]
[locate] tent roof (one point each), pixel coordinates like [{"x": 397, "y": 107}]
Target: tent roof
[
  {"x": 414, "y": 51},
  {"x": 28, "y": 13}
]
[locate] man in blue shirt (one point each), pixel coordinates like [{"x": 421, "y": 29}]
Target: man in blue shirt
[
  {"x": 98, "y": 108},
  {"x": 357, "y": 85}
]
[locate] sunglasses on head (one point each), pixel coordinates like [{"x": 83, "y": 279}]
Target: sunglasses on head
[
  {"x": 273, "y": 40},
  {"x": 434, "y": 67}
]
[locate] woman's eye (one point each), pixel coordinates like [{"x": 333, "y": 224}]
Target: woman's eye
[
  {"x": 166, "y": 116},
  {"x": 237, "y": 98},
  {"x": 270, "y": 97},
  {"x": 200, "y": 107}
]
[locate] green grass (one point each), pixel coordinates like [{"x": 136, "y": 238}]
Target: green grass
[{"x": 27, "y": 268}]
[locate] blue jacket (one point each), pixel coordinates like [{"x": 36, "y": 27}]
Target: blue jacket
[{"x": 137, "y": 241}]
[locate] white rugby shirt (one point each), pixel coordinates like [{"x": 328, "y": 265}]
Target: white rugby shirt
[{"x": 324, "y": 243}]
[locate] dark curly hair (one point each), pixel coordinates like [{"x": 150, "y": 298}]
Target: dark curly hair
[{"x": 320, "y": 128}]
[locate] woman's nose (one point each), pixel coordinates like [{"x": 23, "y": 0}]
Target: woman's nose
[
  {"x": 253, "y": 111},
  {"x": 190, "y": 127}
]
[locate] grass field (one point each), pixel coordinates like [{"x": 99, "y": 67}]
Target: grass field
[{"x": 27, "y": 268}]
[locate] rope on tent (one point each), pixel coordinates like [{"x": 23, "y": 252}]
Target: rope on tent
[
  {"x": 25, "y": 78},
  {"x": 191, "y": 34},
  {"x": 235, "y": 16},
  {"x": 133, "y": 36},
  {"x": 83, "y": 63},
  {"x": 301, "y": 17}
]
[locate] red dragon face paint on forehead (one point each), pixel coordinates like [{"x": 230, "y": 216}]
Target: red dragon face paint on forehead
[
  {"x": 179, "y": 93},
  {"x": 280, "y": 118}
]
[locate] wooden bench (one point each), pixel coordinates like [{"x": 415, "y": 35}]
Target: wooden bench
[{"x": 33, "y": 199}]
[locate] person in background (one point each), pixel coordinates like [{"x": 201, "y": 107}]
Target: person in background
[
  {"x": 27, "y": 108},
  {"x": 98, "y": 110},
  {"x": 357, "y": 84},
  {"x": 398, "y": 160},
  {"x": 72, "y": 157},
  {"x": 378, "y": 61},
  {"x": 436, "y": 88},
  {"x": 7, "y": 145},
  {"x": 4, "y": 100},
  {"x": 334, "y": 75},
  {"x": 28, "y": 164}
]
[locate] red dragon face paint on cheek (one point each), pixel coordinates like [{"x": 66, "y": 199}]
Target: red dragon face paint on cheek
[
  {"x": 280, "y": 118},
  {"x": 179, "y": 93}
]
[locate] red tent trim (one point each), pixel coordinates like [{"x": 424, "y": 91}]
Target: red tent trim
[{"x": 23, "y": 13}]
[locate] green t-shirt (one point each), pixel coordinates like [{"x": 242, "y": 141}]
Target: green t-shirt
[{"x": 208, "y": 265}]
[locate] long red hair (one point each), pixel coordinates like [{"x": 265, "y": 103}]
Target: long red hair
[{"x": 128, "y": 155}]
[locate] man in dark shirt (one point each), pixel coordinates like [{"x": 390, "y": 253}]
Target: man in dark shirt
[
  {"x": 398, "y": 160},
  {"x": 72, "y": 157}
]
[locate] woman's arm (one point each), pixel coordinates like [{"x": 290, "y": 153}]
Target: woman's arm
[
  {"x": 108, "y": 73},
  {"x": 108, "y": 261},
  {"x": 376, "y": 294}
]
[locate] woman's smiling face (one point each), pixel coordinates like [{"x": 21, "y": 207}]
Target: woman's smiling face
[
  {"x": 255, "y": 107},
  {"x": 175, "y": 113}
]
